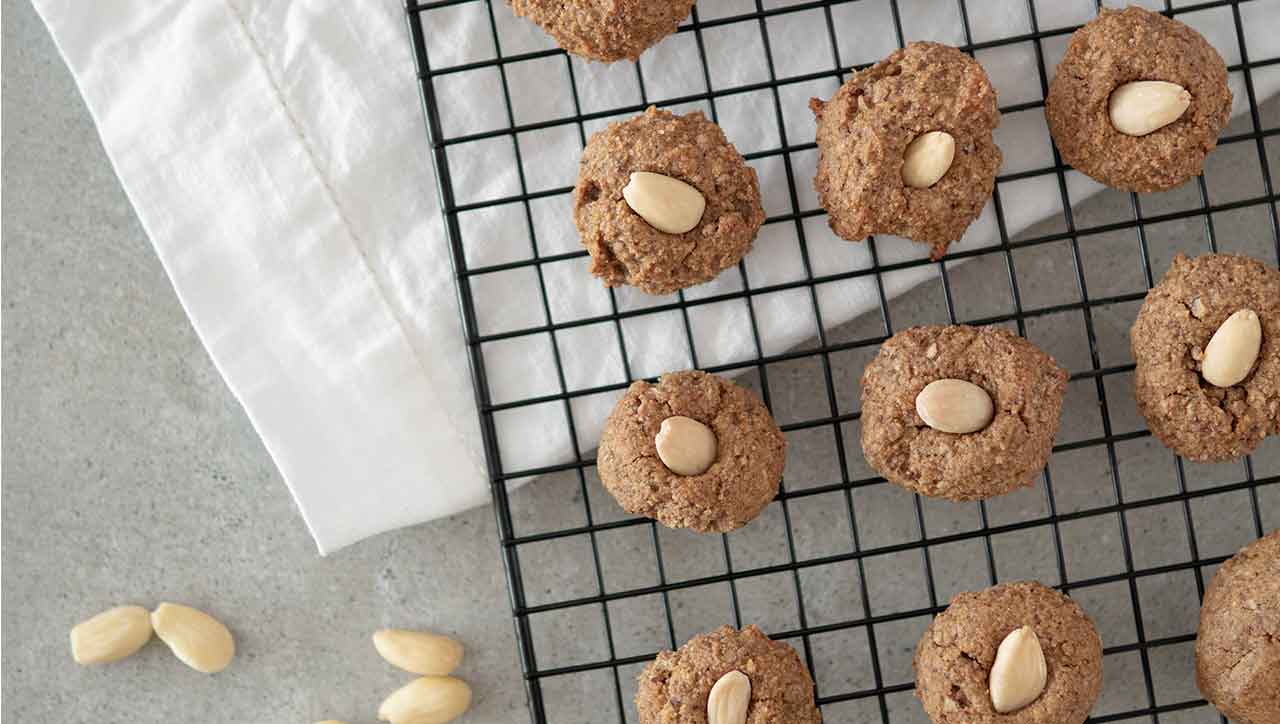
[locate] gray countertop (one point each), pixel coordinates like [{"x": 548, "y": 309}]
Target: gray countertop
[{"x": 131, "y": 475}]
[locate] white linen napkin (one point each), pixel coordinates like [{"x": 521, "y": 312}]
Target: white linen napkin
[{"x": 275, "y": 154}]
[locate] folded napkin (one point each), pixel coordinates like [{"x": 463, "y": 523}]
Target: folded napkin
[{"x": 275, "y": 154}]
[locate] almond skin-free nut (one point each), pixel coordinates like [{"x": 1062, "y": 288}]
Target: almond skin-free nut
[
  {"x": 729, "y": 699},
  {"x": 927, "y": 159},
  {"x": 111, "y": 635},
  {"x": 1233, "y": 349},
  {"x": 1019, "y": 673},
  {"x": 428, "y": 700},
  {"x": 955, "y": 406},
  {"x": 667, "y": 204},
  {"x": 196, "y": 638},
  {"x": 1145, "y": 106},
  {"x": 418, "y": 652},
  {"x": 685, "y": 446}
]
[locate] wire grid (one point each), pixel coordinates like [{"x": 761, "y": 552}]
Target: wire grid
[{"x": 882, "y": 693}]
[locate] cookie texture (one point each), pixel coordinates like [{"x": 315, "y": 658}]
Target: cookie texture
[
  {"x": 743, "y": 479},
  {"x": 1180, "y": 315},
  {"x": 864, "y": 130},
  {"x": 1120, "y": 46},
  {"x": 674, "y": 688},
  {"x": 954, "y": 657},
  {"x": 1026, "y": 388},
  {"x": 624, "y": 248},
  {"x": 1238, "y": 643},
  {"x": 606, "y": 30}
]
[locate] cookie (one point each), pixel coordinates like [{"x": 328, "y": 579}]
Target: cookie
[
  {"x": 625, "y": 248},
  {"x": 1006, "y": 391},
  {"x": 865, "y": 130},
  {"x": 1120, "y": 47},
  {"x": 1238, "y": 643},
  {"x": 674, "y": 688},
  {"x": 956, "y": 655},
  {"x": 606, "y": 30},
  {"x": 1193, "y": 417},
  {"x": 654, "y": 425}
]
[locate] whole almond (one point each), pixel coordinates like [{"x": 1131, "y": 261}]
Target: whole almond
[
  {"x": 1019, "y": 673},
  {"x": 729, "y": 699},
  {"x": 1145, "y": 106},
  {"x": 418, "y": 652},
  {"x": 927, "y": 159},
  {"x": 954, "y": 406},
  {"x": 428, "y": 700},
  {"x": 111, "y": 635},
  {"x": 685, "y": 446},
  {"x": 667, "y": 204},
  {"x": 1233, "y": 349},
  {"x": 196, "y": 638}
]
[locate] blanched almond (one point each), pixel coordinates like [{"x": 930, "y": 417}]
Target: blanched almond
[
  {"x": 1146, "y": 106},
  {"x": 729, "y": 699},
  {"x": 196, "y": 638},
  {"x": 418, "y": 652},
  {"x": 954, "y": 406},
  {"x": 928, "y": 158},
  {"x": 1019, "y": 673},
  {"x": 111, "y": 635},
  {"x": 1233, "y": 349},
  {"x": 685, "y": 446},
  {"x": 667, "y": 204},
  {"x": 428, "y": 700}
]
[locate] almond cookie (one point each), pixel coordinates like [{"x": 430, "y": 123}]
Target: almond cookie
[
  {"x": 627, "y": 242},
  {"x": 606, "y": 30},
  {"x": 693, "y": 451},
  {"x": 905, "y": 147},
  {"x": 960, "y": 412},
  {"x": 1172, "y": 339},
  {"x": 767, "y": 676},
  {"x": 978, "y": 659},
  {"x": 1238, "y": 644},
  {"x": 1138, "y": 138}
]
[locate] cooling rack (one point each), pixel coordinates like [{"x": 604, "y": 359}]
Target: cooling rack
[{"x": 845, "y": 567}]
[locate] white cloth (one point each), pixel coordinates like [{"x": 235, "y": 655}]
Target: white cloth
[{"x": 275, "y": 153}]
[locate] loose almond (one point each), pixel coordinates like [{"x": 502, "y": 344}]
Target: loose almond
[
  {"x": 954, "y": 406},
  {"x": 685, "y": 446},
  {"x": 1019, "y": 673},
  {"x": 196, "y": 638},
  {"x": 667, "y": 204},
  {"x": 418, "y": 652},
  {"x": 111, "y": 635},
  {"x": 927, "y": 159},
  {"x": 729, "y": 699},
  {"x": 1233, "y": 349},
  {"x": 1145, "y": 106},
  {"x": 428, "y": 700}
]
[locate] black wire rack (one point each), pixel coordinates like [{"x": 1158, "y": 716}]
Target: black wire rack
[{"x": 603, "y": 677}]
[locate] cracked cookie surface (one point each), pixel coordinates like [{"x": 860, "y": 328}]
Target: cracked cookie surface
[
  {"x": 1025, "y": 385},
  {"x": 624, "y": 248},
  {"x": 1180, "y": 315},
  {"x": 673, "y": 689},
  {"x": 1120, "y": 46},
  {"x": 738, "y": 485},
  {"x": 864, "y": 130},
  {"x": 954, "y": 657},
  {"x": 605, "y": 30},
  {"x": 1238, "y": 643}
]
